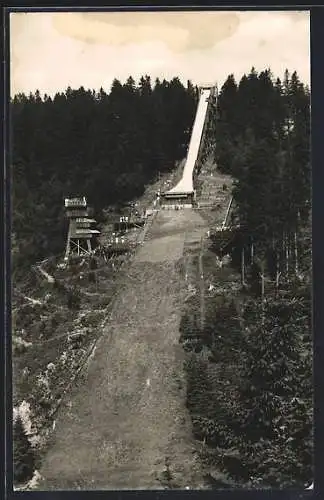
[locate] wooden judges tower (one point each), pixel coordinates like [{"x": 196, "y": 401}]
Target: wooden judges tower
[{"x": 80, "y": 233}]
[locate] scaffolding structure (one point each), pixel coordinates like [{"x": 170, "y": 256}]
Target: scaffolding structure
[{"x": 80, "y": 234}]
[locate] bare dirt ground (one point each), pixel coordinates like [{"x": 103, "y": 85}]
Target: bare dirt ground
[{"x": 127, "y": 414}]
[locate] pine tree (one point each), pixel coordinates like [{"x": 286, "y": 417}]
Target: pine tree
[
  {"x": 228, "y": 124},
  {"x": 269, "y": 411}
]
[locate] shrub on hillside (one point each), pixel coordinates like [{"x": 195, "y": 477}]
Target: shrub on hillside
[
  {"x": 74, "y": 299},
  {"x": 23, "y": 454}
]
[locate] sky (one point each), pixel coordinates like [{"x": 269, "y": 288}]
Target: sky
[{"x": 50, "y": 51}]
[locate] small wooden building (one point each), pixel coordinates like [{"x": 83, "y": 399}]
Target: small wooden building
[{"x": 177, "y": 200}]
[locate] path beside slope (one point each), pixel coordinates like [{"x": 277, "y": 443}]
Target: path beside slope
[{"x": 127, "y": 413}]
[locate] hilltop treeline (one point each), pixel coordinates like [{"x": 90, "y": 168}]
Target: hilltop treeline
[
  {"x": 104, "y": 145},
  {"x": 250, "y": 368},
  {"x": 263, "y": 141}
]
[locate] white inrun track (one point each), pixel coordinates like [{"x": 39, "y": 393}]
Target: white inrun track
[{"x": 185, "y": 185}]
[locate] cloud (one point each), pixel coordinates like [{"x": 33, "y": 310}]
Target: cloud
[
  {"x": 178, "y": 30},
  {"x": 50, "y": 51}
]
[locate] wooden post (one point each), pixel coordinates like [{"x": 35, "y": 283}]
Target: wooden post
[
  {"x": 67, "y": 248},
  {"x": 89, "y": 245},
  {"x": 283, "y": 243},
  {"x": 296, "y": 254},
  {"x": 277, "y": 270},
  {"x": 262, "y": 286},
  {"x": 287, "y": 255},
  {"x": 243, "y": 266},
  {"x": 277, "y": 282},
  {"x": 262, "y": 297},
  {"x": 202, "y": 288}
]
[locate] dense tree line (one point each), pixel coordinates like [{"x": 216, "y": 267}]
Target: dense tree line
[
  {"x": 104, "y": 145},
  {"x": 250, "y": 368},
  {"x": 263, "y": 140}
]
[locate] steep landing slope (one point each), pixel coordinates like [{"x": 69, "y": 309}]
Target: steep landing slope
[{"x": 127, "y": 415}]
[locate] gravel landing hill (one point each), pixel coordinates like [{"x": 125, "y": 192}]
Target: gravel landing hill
[{"x": 126, "y": 416}]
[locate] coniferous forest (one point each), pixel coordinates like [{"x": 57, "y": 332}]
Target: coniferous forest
[
  {"x": 250, "y": 368},
  {"x": 249, "y": 371},
  {"x": 106, "y": 146}
]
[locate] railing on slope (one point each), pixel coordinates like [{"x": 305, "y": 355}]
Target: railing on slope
[{"x": 226, "y": 219}]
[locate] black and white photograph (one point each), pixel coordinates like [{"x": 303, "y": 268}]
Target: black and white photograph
[{"x": 161, "y": 250}]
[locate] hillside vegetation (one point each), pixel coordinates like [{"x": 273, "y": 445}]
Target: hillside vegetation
[
  {"x": 107, "y": 146},
  {"x": 103, "y": 145},
  {"x": 249, "y": 369},
  {"x": 249, "y": 363}
]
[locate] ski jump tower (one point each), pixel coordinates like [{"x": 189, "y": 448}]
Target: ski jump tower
[
  {"x": 183, "y": 194},
  {"x": 80, "y": 232}
]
